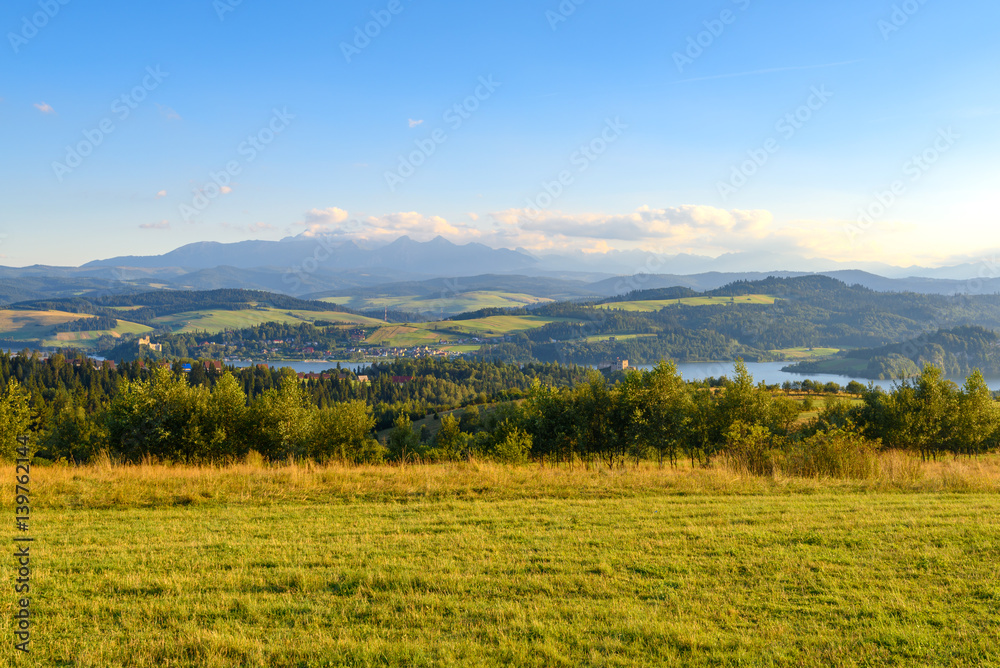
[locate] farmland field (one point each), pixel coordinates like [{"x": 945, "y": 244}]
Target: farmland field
[
  {"x": 652, "y": 305},
  {"x": 452, "y": 304},
  {"x": 88, "y": 339},
  {"x": 404, "y": 336},
  {"x": 430, "y": 333},
  {"x": 36, "y": 326},
  {"x": 29, "y": 325},
  {"x": 214, "y": 321},
  {"x": 493, "y": 566}
]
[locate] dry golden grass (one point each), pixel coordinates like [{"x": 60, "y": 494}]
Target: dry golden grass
[{"x": 150, "y": 485}]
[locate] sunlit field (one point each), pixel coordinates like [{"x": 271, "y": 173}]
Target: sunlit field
[{"x": 482, "y": 564}]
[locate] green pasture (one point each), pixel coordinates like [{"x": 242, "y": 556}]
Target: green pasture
[
  {"x": 217, "y": 320},
  {"x": 431, "y": 333},
  {"x": 448, "y": 303},
  {"x": 821, "y": 579},
  {"x": 652, "y": 305}
]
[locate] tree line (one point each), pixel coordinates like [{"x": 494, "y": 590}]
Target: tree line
[{"x": 135, "y": 413}]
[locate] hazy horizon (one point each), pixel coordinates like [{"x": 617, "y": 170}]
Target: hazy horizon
[{"x": 857, "y": 132}]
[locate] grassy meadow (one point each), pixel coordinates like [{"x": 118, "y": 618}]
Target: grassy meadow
[
  {"x": 36, "y": 327},
  {"x": 214, "y": 321},
  {"x": 448, "y": 304},
  {"x": 653, "y": 305},
  {"x": 477, "y": 564},
  {"x": 430, "y": 333}
]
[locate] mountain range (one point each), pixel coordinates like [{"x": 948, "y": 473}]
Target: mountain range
[{"x": 310, "y": 267}]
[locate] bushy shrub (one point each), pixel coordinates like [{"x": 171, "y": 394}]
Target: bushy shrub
[
  {"x": 511, "y": 445},
  {"x": 750, "y": 449},
  {"x": 834, "y": 454}
]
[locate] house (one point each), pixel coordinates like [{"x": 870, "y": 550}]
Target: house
[
  {"x": 186, "y": 368},
  {"x": 362, "y": 379},
  {"x": 214, "y": 365},
  {"x": 401, "y": 380}
]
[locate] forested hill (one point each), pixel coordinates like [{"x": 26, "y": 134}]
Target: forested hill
[
  {"x": 785, "y": 313},
  {"x": 148, "y": 305},
  {"x": 956, "y": 351}
]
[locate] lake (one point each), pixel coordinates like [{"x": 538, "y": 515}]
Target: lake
[{"x": 769, "y": 372}]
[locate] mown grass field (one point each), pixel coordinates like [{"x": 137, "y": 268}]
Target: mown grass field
[
  {"x": 450, "y": 304},
  {"x": 483, "y": 565},
  {"x": 652, "y": 305},
  {"x": 89, "y": 339},
  {"x": 215, "y": 321},
  {"x": 28, "y": 325},
  {"x": 36, "y": 326},
  {"x": 430, "y": 333}
]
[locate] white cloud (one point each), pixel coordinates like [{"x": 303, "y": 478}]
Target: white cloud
[
  {"x": 44, "y": 108},
  {"x": 414, "y": 123},
  {"x": 694, "y": 229},
  {"x": 161, "y": 194},
  {"x": 338, "y": 222},
  {"x": 323, "y": 221},
  {"x": 162, "y": 225},
  {"x": 687, "y": 228}
]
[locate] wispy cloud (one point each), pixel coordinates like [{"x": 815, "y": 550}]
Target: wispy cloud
[
  {"x": 162, "y": 225},
  {"x": 44, "y": 107},
  {"x": 161, "y": 194},
  {"x": 414, "y": 123}
]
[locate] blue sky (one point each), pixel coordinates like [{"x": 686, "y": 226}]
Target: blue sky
[{"x": 687, "y": 153}]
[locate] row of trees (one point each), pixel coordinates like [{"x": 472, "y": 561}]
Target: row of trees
[
  {"x": 657, "y": 415},
  {"x": 167, "y": 418},
  {"x": 646, "y": 415}
]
